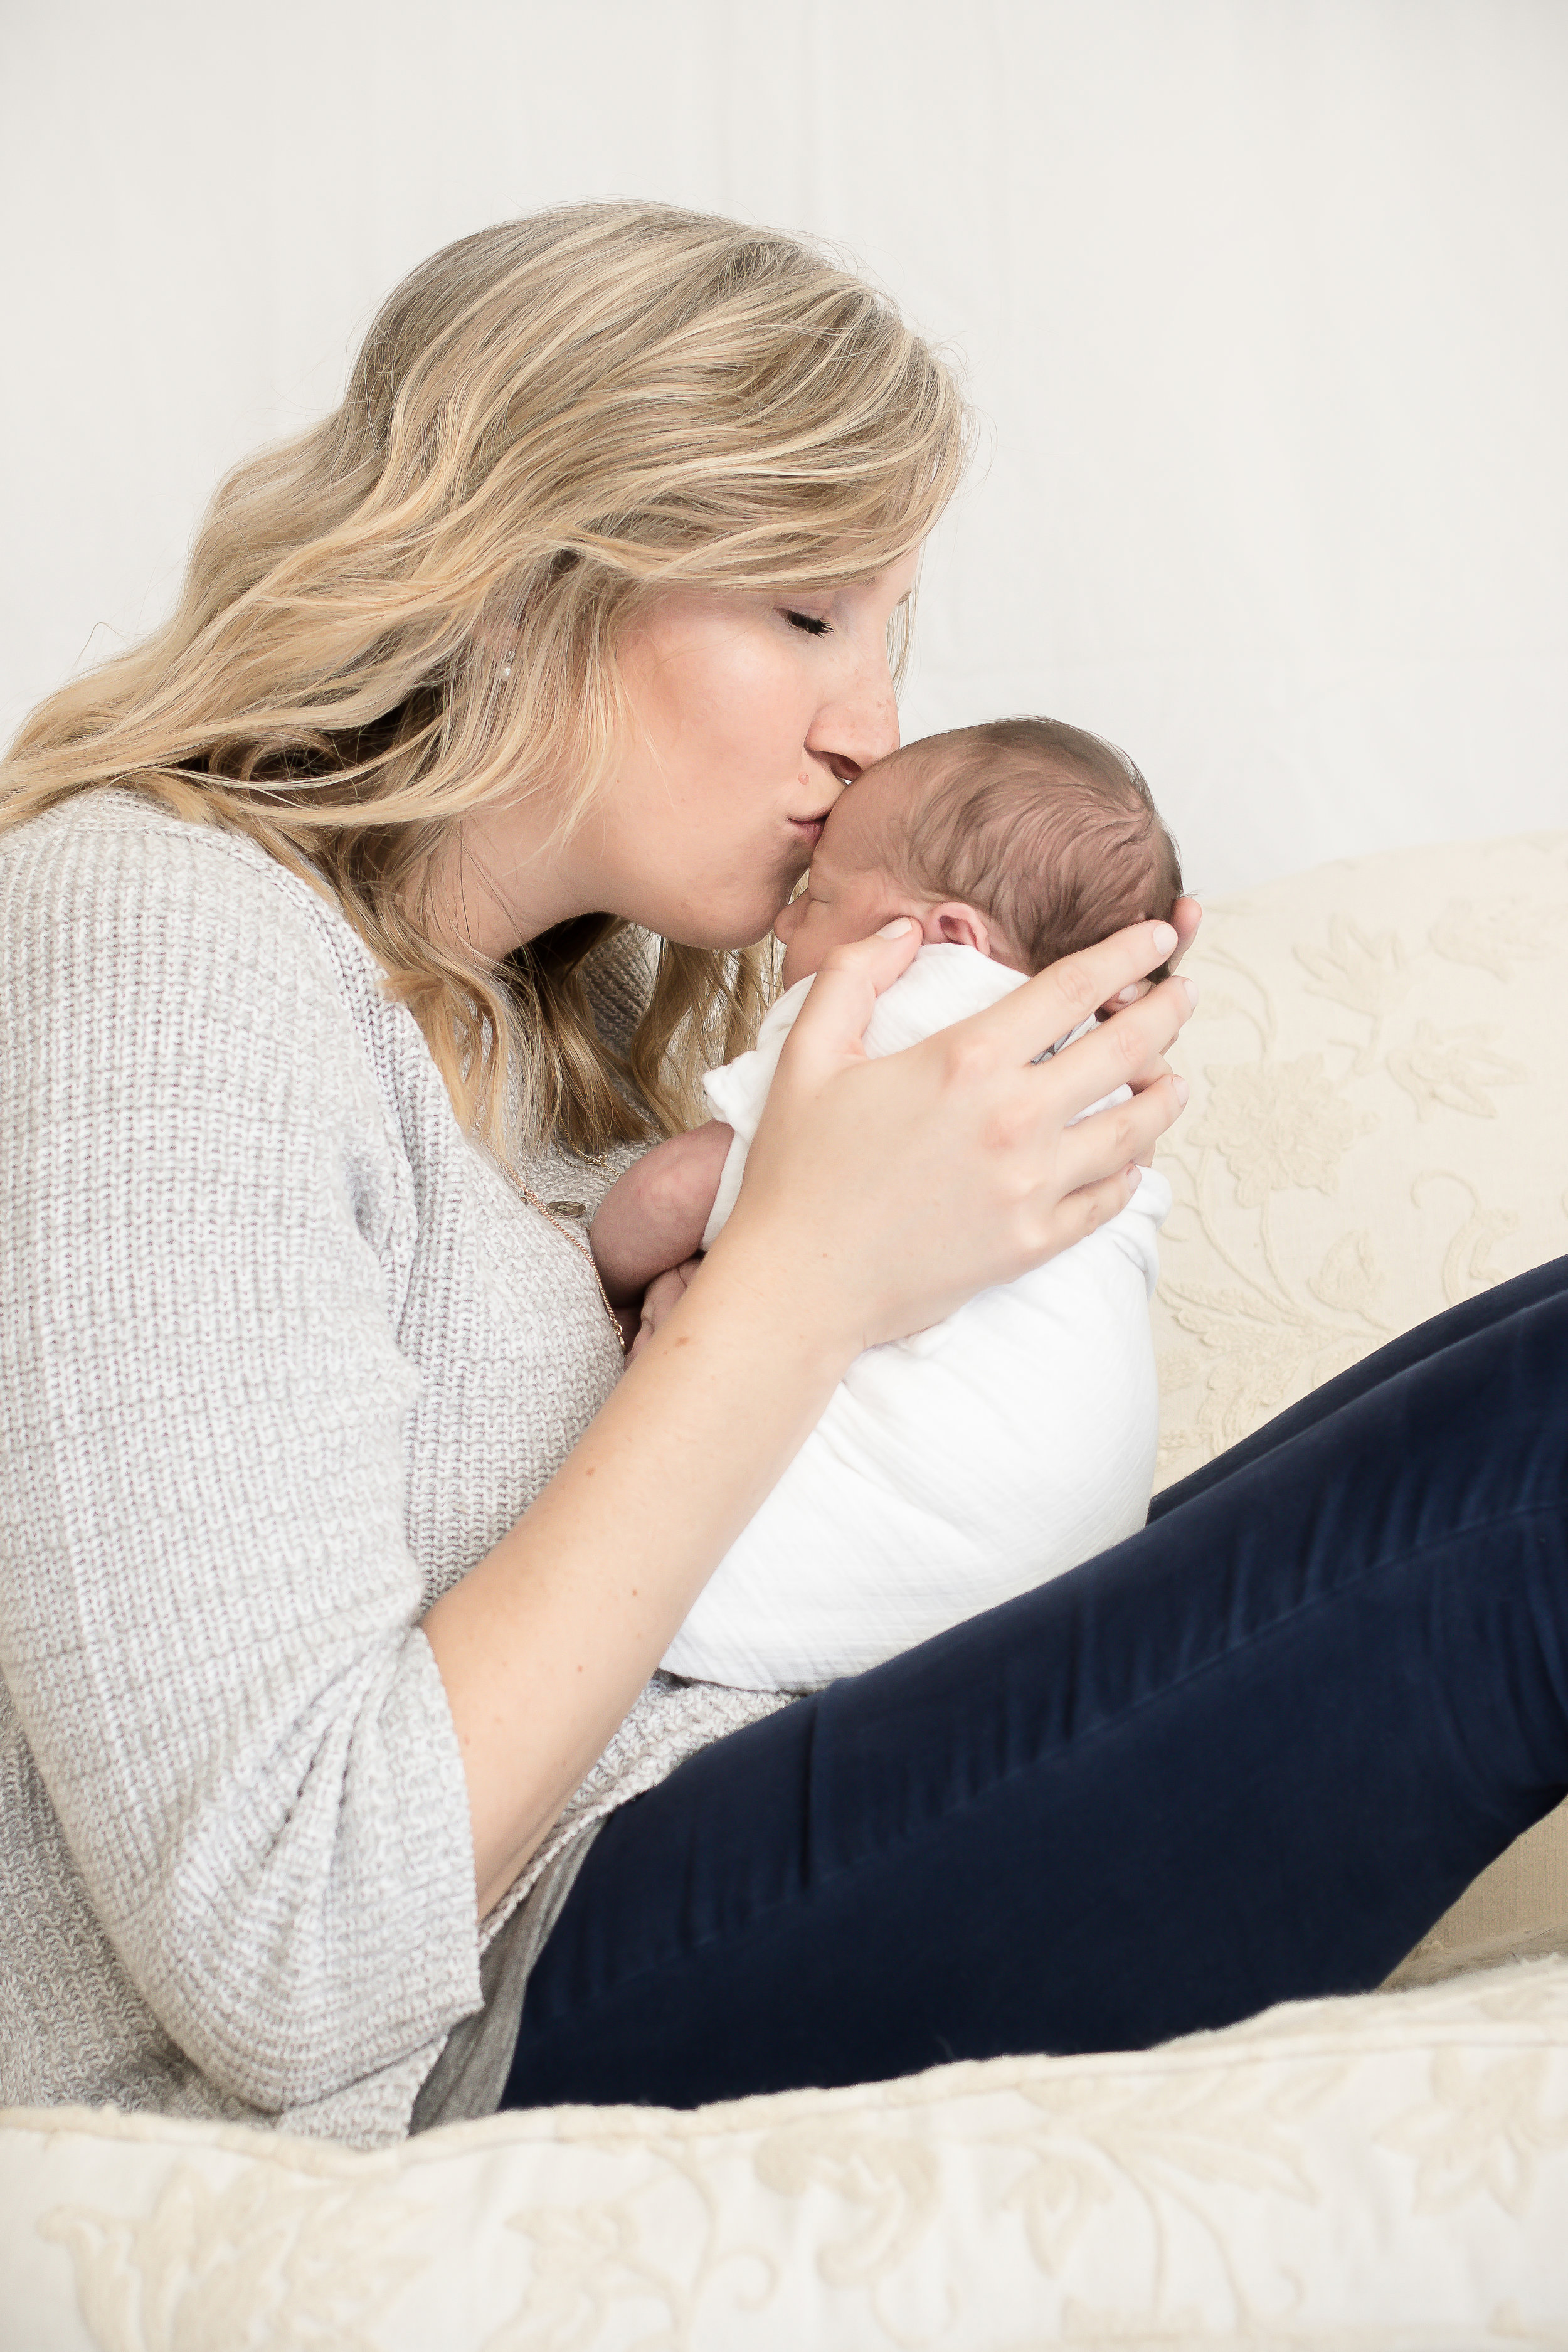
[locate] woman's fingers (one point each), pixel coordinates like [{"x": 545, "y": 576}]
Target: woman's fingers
[
  {"x": 1127, "y": 1050},
  {"x": 835, "y": 1015},
  {"x": 1029, "y": 1021},
  {"x": 1160, "y": 1069},
  {"x": 833, "y": 1018},
  {"x": 1185, "y": 917},
  {"x": 1106, "y": 1144},
  {"x": 1095, "y": 1204}
]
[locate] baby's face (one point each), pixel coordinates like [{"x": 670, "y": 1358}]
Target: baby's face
[{"x": 848, "y": 894}]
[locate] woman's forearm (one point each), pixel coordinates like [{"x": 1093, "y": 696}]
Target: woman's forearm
[{"x": 545, "y": 1645}]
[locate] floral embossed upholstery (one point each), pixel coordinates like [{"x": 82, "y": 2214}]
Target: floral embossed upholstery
[{"x": 1378, "y": 1127}]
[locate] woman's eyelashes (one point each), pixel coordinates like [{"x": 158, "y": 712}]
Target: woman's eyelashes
[{"x": 812, "y": 622}]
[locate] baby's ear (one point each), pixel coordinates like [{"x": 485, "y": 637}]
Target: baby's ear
[{"x": 954, "y": 925}]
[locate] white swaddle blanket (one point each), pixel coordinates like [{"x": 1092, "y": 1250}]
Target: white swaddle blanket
[{"x": 954, "y": 1469}]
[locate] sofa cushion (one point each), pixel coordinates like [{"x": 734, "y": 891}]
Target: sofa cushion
[{"x": 1371, "y": 2173}]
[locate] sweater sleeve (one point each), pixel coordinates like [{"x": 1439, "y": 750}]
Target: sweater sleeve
[{"x": 209, "y": 1614}]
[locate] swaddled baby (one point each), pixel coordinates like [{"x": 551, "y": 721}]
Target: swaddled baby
[{"x": 957, "y": 1468}]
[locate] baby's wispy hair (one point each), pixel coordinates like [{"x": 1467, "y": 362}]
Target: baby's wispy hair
[{"x": 1050, "y": 831}]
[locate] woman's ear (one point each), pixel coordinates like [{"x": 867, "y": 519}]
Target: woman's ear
[{"x": 954, "y": 925}]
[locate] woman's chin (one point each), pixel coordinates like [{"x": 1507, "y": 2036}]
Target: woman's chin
[
  {"x": 728, "y": 930},
  {"x": 729, "y": 942}
]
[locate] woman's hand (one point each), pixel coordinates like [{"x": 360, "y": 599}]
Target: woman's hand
[
  {"x": 879, "y": 1195},
  {"x": 893, "y": 1189}
]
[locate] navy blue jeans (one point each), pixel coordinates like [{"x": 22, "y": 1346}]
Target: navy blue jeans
[{"x": 1251, "y": 1753}]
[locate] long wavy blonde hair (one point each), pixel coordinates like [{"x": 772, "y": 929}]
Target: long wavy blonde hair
[{"x": 549, "y": 421}]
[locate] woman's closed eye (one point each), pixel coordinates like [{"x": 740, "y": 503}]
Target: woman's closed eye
[{"x": 812, "y": 622}]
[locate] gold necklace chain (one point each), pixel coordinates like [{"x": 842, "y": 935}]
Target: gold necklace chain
[{"x": 552, "y": 1213}]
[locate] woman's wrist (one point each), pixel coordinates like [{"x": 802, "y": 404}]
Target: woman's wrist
[
  {"x": 762, "y": 1268},
  {"x": 757, "y": 1276}
]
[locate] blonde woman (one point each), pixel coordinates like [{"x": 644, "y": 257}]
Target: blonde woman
[{"x": 338, "y": 1553}]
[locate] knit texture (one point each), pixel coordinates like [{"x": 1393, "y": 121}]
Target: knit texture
[{"x": 282, "y": 1354}]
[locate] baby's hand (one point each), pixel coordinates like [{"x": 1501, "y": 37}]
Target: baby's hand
[
  {"x": 662, "y": 1294},
  {"x": 652, "y": 1217}
]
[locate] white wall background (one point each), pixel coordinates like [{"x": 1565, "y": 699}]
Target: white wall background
[{"x": 1263, "y": 300}]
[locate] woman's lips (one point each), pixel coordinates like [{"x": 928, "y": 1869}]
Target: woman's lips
[{"x": 807, "y": 829}]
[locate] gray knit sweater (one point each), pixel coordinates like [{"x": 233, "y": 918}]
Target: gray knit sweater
[{"x": 281, "y": 1355}]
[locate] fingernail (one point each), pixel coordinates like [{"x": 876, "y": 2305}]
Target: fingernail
[
  {"x": 896, "y": 928},
  {"x": 1182, "y": 1087},
  {"x": 1128, "y": 995},
  {"x": 1165, "y": 938},
  {"x": 1191, "y": 988}
]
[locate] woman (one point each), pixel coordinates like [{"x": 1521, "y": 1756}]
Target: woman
[{"x": 339, "y": 1558}]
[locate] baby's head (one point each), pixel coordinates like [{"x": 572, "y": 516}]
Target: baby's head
[{"x": 1025, "y": 839}]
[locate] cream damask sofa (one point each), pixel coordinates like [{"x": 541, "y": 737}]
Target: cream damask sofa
[{"x": 1379, "y": 1125}]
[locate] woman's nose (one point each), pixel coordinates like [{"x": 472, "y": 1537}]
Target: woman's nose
[{"x": 861, "y": 725}]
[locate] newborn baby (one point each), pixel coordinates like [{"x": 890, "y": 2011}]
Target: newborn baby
[{"x": 962, "y": 1467}]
